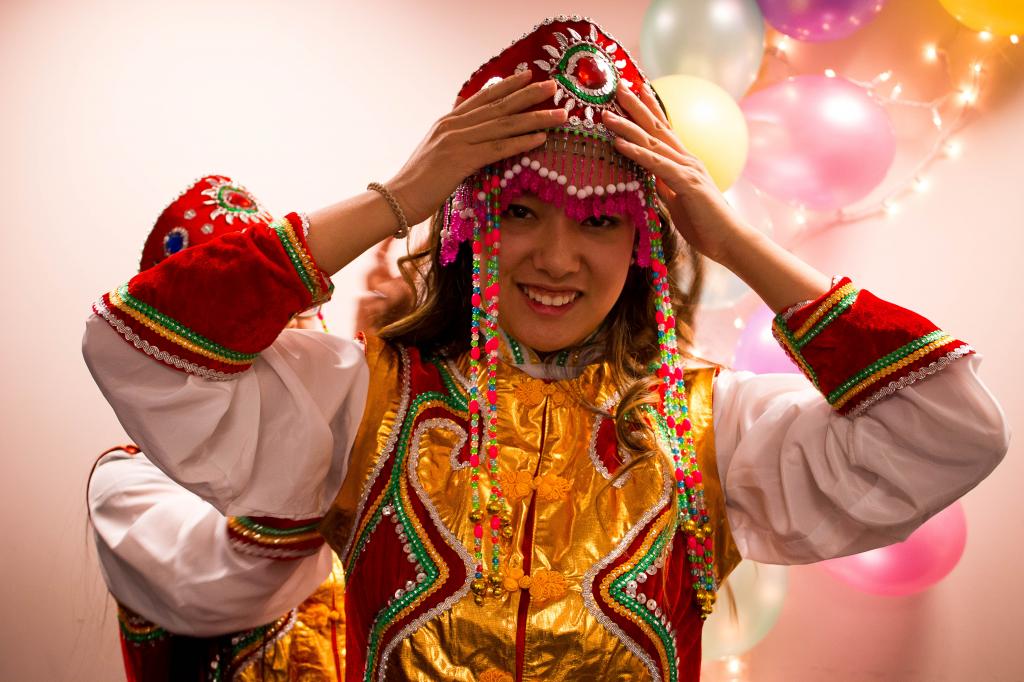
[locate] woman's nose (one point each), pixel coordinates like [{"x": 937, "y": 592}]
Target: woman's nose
[{"x": 556, "y": 249}]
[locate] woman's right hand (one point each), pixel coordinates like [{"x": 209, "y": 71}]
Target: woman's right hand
[{"x": 483, "y": 129}]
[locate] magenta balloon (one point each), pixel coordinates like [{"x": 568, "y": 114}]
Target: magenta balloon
[
  {"x": 817, "y": 141},
  {"x": 819, "y": 20},
  {"x": 757, "y": 350},
  {"x": 917, "y": 563}
]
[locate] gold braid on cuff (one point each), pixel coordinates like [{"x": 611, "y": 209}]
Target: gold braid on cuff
[{"x": 403, "y": 225}]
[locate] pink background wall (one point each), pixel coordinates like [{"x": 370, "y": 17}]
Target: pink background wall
[{"x": 109, "y": 108}]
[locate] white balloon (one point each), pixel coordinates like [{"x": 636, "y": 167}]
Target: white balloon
[
  {"x": 757, "y": 591},
  {"x": 718, "y": 40}
]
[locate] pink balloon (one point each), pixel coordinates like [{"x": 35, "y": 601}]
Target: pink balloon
[
  {"x": 907, "y": 567},
  {"x": 818, "y": 141},
  {"x": 757, "y": 350},
  {"x": 821, "y": 19}
]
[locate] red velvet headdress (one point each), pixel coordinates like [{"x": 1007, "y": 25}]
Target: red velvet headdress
[
  {"x": 582, "y": 58},
  {"x": 577, "y": 169},
  {"x": 211, "y": 206}
]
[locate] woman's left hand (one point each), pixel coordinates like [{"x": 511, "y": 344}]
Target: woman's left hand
[{"x": 697, "y": 207}]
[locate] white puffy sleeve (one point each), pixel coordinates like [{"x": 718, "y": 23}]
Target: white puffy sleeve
[
  {"x": 166, "y": 555},
  {"x": 804, "y": 483},
  {"x": 273, "y": 441}
]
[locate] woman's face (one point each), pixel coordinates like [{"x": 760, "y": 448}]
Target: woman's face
[{"x": 559, "y": 278}]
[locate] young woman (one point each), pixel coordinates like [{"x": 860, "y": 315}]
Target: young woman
[{"x": 524, "y": 478}]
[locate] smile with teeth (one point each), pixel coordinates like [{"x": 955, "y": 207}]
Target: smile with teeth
[{"x": 554, "y": 299}]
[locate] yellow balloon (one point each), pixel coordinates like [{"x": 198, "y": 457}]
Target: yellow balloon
[
  {"x": 708, "y": 122},
  {"x": 1002, "y": 17}
]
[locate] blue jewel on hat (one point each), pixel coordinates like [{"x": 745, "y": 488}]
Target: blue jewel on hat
[{"x": 175, "y": 241}]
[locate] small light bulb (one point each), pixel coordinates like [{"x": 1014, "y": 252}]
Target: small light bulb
[
  {"x": 781, "y": 43},
  {"x": 1015, "y": 39},
  {"x": 829, "y": 73},
  {"x": 891, "y": 207},
  {"x": 931, "y": 53},
  {"x": 936, "y": 118},
  {"x": 897, "y": 90},
  {"x": 799, "y": 218},
  {"x": 733, "y": 665},
  {"x": 884, "y": 76},
  {"x": 968, "y": 96},
  {"x": 738, "y": 323},
  {"x": 985, "y": 36},
  {"x": 953, "y": 149},
  {"x": 921, "y": 184},
  {"x": 977, "y": 67}
]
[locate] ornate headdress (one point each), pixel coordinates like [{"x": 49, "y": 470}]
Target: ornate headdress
[
  {"x": 211, "y": 206},
  {"x": 578, "y": 170}
]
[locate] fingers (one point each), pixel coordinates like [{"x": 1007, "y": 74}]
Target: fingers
[
  {"x": 648, "y": 98},
  {"x": 512, "y": 103},
  {"x": 647, "y": 114},
  {"x": 631, "y": 132},
  {"x": 502, "y": 148},
  {"x": 515, "y": 124},
  {"x": 504, "y": 87},
  {"x": 675, "y": 176}
]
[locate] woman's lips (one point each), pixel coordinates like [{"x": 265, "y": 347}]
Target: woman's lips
[{"x": 549, "y": 301}]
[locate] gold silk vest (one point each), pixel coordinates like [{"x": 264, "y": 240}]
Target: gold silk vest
[{"x": 596, "y": 582}]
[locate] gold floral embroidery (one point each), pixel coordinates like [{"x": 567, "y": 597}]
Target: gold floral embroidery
[
  {"x": 515, "y": 485},
  {"x": 548, "y": 585},
  {"x": 495, "y": 675},
  {"x": 533, "y": 391},
  {"x": 515, "y": 579},
  {"x": 557, "y": 395},
  {"x": 530, "y": 392},
  {"x": 551, "y": 487}
]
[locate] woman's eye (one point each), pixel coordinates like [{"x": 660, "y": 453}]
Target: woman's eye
[
  {"x": 602, "y": 221},
  {"x": 517, "y": 211}
]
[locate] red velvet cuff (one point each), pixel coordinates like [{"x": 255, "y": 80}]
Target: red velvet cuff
[
  {"x": 275, "y": 538},
  {"x": 210, "y": 309},
  {"x": 858, "y": 349}
]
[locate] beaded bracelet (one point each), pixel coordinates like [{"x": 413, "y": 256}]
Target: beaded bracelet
[{"x": 403, "y": 225}]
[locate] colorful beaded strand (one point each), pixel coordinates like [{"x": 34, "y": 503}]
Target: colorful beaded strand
[
  {"x": 485, "y": 324},
  {"x": 693, "y": 514},
  {"x": 476, "y": 515}
]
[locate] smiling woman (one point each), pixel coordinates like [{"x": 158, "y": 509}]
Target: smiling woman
[{"x": 528, "y": 476}]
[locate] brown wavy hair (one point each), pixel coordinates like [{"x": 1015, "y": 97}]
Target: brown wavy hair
[{"x": 439, "y": 320}]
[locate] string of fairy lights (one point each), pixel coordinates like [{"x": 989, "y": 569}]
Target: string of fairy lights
[{"x": 949, "y": 113}]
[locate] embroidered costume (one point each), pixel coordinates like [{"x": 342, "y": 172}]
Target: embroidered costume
[
  {"x": 167, "y": 553},
  {"x": 480, "y": 504}
]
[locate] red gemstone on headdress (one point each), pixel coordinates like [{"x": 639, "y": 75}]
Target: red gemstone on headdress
[
  {"x": 237, "y": 199},
  {"x": 590, "y": 74}
]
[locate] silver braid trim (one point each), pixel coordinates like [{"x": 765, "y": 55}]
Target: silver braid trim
[
  {"x": 101, "y": 309},
  {"x": 918, "y": 374}
]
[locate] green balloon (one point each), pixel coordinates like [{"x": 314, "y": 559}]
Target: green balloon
[{"x": 718, "y": 40}]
